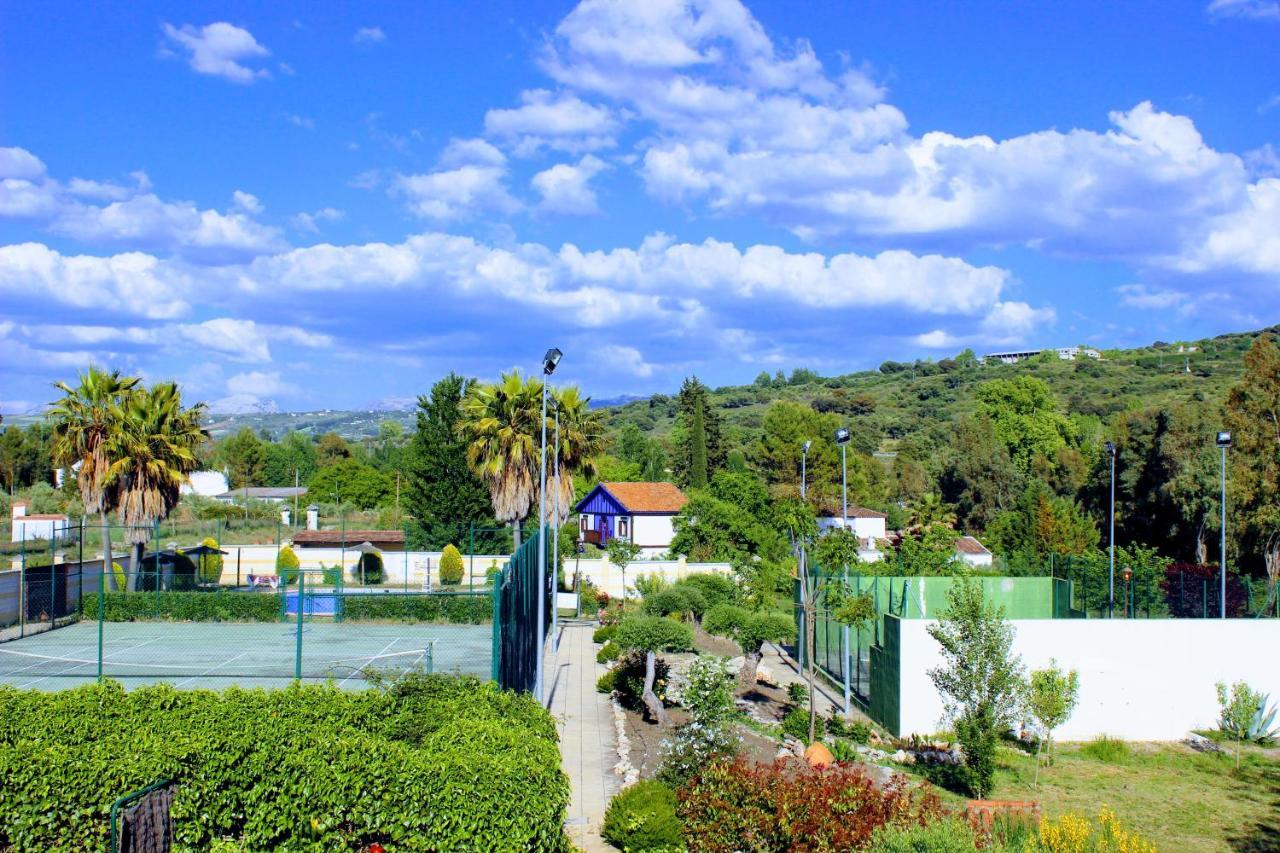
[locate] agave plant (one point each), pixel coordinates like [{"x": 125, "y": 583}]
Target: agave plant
[{"x": 1261, "y": 729}]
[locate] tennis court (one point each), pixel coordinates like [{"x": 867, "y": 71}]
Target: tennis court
[{"x": 222, "y": 654}]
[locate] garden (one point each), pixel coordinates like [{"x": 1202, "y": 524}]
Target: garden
[
  {"x": 424, "y": 762},
  {"x": 726, "y": 746}
]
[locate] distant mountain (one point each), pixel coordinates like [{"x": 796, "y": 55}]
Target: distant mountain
[{"x": 621, "y": 400}]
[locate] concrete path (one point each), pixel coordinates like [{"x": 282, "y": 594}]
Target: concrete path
[{"x": 588, "y": 749}]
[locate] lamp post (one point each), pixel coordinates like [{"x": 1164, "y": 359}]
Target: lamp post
[
  {"x": 555, "y": 545},
  {"x": 1111, "y": 539},
  {"x": 1224, "y": 441},
  {"x": 804, "y": 463},
  {"x": 549, "y": 362},
  {"x": 842, "y": 441},
  {"x": 802, "y": 568}
]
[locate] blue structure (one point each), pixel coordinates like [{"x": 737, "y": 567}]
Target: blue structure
[{"x": 637, "y": 512}]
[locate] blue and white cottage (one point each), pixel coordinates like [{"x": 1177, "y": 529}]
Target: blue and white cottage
[{"x": 637, "y": 512}]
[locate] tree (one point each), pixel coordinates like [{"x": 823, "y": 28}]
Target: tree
[
  {"x": 1239, "y": 707},
  {"x": 581, "y": 441},
  {"x": 331, "y": 448},
  {"x": 930, "y": 553},
  {"x": 797, "y": 519},
  {"x": 442, "y": 493},
  {"x": 980, "y": 679},
  {"x": 787, "y": 426},
  {"x": 622, "y": 553},
  {"x": 697, "y": 448},
  {"x": 978, "y": 475},
  {"x": 645, "y": 453},
  {"x": 692, "y": 399},
  {"x": 150, "y": 452},
  {"x": 85, "y": 420},
  {"x": 294, "y": 454},
  {"x": 1025, "y": 416},
  {"x": 750, "y": 631},
  {"x": 1190, "y": 485},
  {"x": 450, "y": 566},
  {"x": 1253, "y": 416},
  {"x": 287, "y": 565},
  {"x": 1051, "y": 697},
  {"x": 501, "y": 424},
  {"x": 929, "y": 512},
  {"x": 244, "y": 457},
  {"x": 352, "y": 481},
  {"x": 210, "y": 567},
  {"x": 837, "y": 549},
  {"x": 653, "y": 634}
]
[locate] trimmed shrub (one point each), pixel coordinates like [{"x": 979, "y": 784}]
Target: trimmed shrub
[
  {"x": 604, "y": 634},
  {"x": 462, "y": 608},
  {"x": 798, "y": 692},
  {"x": 611, "y": 651},
  {"x": 431, "y": 762},
  {"x": 796, "y": 724},
  {"x": 210, "y": 567},
  {"x": 287, "y": 565},
  {"x": 450, "y": 566},
  {"x": 219, "y": 606},
  {"x": 715, "y": 589},
  {"x": 642, "y": 817},
  {"x": 675, "y": 601},
  {"x": 740, "y": 805},
  {"x": 608, "y": 682}
]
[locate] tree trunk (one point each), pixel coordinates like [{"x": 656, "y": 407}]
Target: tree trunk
[
  {"x": 651, "y": 701},
  {"x": 135, "y": 567},
  {"x": 1202, "y": 550},
  {"x": 810, "y": 614},
  {"x": 750, "y": 667},
  {"x": 515, "y": 534},
  {"x": 107, "y": 566}
]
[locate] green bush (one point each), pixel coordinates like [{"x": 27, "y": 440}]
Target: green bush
[
  {"x": 462, "y": 608},
  {"x": 948, "y": 835},
  {"x": 604, "y": 633},
  {"x": 859, "y": 732},
  {"x": 629, "y": 679},
  {"x": 368, "y": 569},
  {"x": 611, "y": 651},
  {"x": 428, "y": 763},
  {"x": 796, "y": 724},
  {"x": 219, "y": 606},
  {"x": 675, "y": 601},
  {"x": 1107, "y": 750},
  {"x": 210, "y": 567},
  {"x": 798, "y": 692},
  {"x": 608, "y": 682},
  {"x": 715, "y": 589},
  {"x": 642, "y": 819},
  {"x": 450, "y": 566},
  {"x": 330, "y": 575},
  {"x": 287, "y": 565}
]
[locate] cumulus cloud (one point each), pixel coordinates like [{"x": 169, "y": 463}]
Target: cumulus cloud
[
  {"x": 245, "y": 392},
  {"x": 1005, "y": 324},
  {"x": 563, "y": 122},
  {"x": 219, "y": 50},
  {"x": 127, "y": 283},
  {"x": 470, "y": 179},
  {"x": 628, "y": 359},
  {"x": 311, "y": 221},
  {"x": 566, "y": 189}
]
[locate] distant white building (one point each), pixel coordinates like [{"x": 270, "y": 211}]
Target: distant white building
[
  {"x": 973, "y": 552},
  {"x": 642, "y": 513},
  {"x": 867, "y": 524},
  {"x": 1064, "y": 353},
  {"x": 271, "y": 494},
  {"x": 207, "y": 484},
  {"x": 28, "y": 526}
]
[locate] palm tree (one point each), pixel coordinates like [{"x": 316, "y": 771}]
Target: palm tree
[
  {"x": 151, "y": 452},
  {"x": 84, "y": 420},
  {"x": 501, "y": 425},
  {"x": 929, "y": 511},
  {"x": 581, "y": 440}
]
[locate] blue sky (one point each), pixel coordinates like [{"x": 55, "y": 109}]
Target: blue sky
[{"x": 312, "y": 206}]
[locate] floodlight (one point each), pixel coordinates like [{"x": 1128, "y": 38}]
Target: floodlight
[
  {"x": 1224, "y": 439},
  {"x": 843, "y": 435},
  {"x": 1110, "y": 447},
  {"x": 550, "y": 360},
  {"x": 805, "y": 448}
]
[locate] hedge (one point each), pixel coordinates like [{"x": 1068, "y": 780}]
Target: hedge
[
  {"x": 433, "y": 607},
  {"x": 184, "y": 607},
  {"x": 432, "y": 762}
]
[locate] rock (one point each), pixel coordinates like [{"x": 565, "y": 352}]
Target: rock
[
  {"x": 1200, "y": 743},
  {"x": 764, "y": 676},
  {"x": 902, "y": 757},
  {"x": 736, "y": 664},
  {"x": 797, "y": 749},
  {"x": 783, "y": 754},
  {"x": 818, "y": 755}
]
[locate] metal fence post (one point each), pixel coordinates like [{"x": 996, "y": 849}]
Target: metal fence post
[
  {"x": 102, "y": 610},
  {"x": 22, "y": 585},
  {"x": 297, "y": 657},
  {"x": 496, "y": 638},
  {"x": 471, "y": 570}
]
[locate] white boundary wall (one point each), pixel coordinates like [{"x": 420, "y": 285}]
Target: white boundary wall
[
  {"x": 608, "y": 577},
  {"x": 1140, "y": 679}
]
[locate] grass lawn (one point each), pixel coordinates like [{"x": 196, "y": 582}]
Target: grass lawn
[{"x": 1179, "y": 798}]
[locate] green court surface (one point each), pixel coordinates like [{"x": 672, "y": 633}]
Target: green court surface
[{"x": 216, "y": 655}]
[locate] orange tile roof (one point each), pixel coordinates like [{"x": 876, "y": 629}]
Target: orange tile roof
[
  {"x": 648, "y": 497},
  {"x": 863, "y": 512},
  {"x": 969, "y": 545}
]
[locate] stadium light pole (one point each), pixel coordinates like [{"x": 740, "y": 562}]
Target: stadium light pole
[
  {"x": 555, "y": 545},
  {"x": 842, "y": 441},
  {"x": 804, "y": 462},
  {"x": 1224, "y": 441},
  {"x": 803, "y": 565},
  {"x": 1111, "y": 538},
  {"x": 549, "y": 362}
]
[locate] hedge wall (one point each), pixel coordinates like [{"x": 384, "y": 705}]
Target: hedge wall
[
  {"x": 184, "y": 607},
  {"x": 432, "y": 762},
  {"x": 435, "y": 607}
]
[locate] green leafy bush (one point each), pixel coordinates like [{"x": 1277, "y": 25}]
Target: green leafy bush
[
  {"x": 715, "y": 589},
  {"x": 948, "y": 835},
  {"x": 629, "y": 684},
  {"x": 642, "y": 819},
  {"x": 796, "y": 724},
  {"x": 430, "y": 762},
  {"x": 287, "y": 564},
  {"x": 798, "y": 692},
  {"x": 609, "y": 652},
  {"x": 677, "y": 601},
  {"x": 210, "y": 567},
  {"x": 604, "y": 633},
  {"x": 219, "y": 606},
  {"x": 458, "y": 607},
  {"x": 450, "y": 566},
  {"x": 1107, "y": 750},
  {"x": 608, "y": 682},
  {"x": 859, "y": 732}
]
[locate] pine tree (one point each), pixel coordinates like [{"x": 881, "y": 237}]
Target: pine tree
[
  {"x": 698, "y": 450},
  {"x": 442, "y": 493},
  {"x": 693, "y": 397}
]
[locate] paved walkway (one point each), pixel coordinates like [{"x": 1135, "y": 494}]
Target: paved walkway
[{"x": 588, "y": 749}]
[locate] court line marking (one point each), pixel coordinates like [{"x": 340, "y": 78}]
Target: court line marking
[
  {"x": 212, "y": 669},
  {"x": 370, "y": 660},
  {"x": 105, "y": 655}
]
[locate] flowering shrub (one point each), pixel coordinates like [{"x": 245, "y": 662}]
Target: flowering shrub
[
  {"x": 740, "y": 805},
  {"x": 1075, "y": 833}
]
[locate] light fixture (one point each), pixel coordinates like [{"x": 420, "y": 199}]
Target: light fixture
[
  {"x": 805, "y": 448},
  {"x": 843, "y": 435},
  {"x": 1224, "y": 439},
  {"x": 1110, "y": 448},
  {"x": 550, "y": 360}
]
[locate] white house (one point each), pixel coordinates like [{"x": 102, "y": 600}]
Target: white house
[
  {"x": 867, "y": 524},
  {"x": 641, "y": 513},
  {"x": 27, "y": 526},
  {"x": 273, "y": 494},
  {"x": 973, "y": 552}
]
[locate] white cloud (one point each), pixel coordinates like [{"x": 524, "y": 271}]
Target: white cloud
[
  {"x": 236, "y": 339},
  {"x": 1005, "y": 324},
  {"x": 625, "y": 358},
  {"x": 128, "y": 283},
  {"x": 20, "y": 164},
  {"x": 470, "y": 180},
  {"x": 311, "y": 221},
  {"x": 565, "y": 188},
  {"x": 369, "y": 35},
  {"x": 1146, "y": 297},
  {"x": 245, "y": 392},
  {"x": 220, "y": 50},
  {"x": 1255, "y": 9},
  {"x": 247, "y": 202},
  {"x": 563, "y": 122}
]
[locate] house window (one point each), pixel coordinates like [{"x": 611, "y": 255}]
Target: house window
[
  {"x": 584, "y": 523},
  {"x": 623, "y": 533}
]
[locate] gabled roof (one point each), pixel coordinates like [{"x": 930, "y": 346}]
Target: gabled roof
[
  {"x": 863, "y": 512},
  {"x": 657, "y": 498},
  {"x": 263, "y": 492},
  {"x": 969, "y": 545}
]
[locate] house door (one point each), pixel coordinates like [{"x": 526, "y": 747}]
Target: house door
[{"x": 605, "y": 532}]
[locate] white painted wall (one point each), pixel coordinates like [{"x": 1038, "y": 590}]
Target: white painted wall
[
  {"x": 607, "y": 576},
  {"x": 261, "y": 560},
  {"x": 653, "y": 533},
  {"x": 1140, "y": 679}
]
